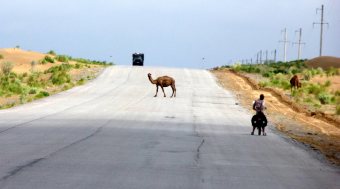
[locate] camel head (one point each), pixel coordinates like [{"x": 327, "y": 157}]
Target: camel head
[{"x": 149, "y": 74}]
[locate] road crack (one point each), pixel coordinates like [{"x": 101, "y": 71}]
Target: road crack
[{"x": 198, "y": 150}]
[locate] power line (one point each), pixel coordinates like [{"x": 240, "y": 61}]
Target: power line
[
  {"x": 321, "y": 27},
  {"x": 274, "y": 52},
  {"x": 285, "y": 41},
  {"x": 299, "y": 43}
]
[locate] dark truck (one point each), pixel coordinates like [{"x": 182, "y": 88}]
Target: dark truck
[{"x": 137, "y": 59}]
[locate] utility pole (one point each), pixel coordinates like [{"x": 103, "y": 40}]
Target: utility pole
[
  {"x": 299, "y": 43},
  {"x": 266, "y": 56},
  {"x": 257, "y": 58},
  {"x": 321, "y": 27},
  {"x": 260, "y": 56},
  {"x": 285, "y": 41},
  {"x": 274, "y": 55},
  {"x": 251, "y": 61}
]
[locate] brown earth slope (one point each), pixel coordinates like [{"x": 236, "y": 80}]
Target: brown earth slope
[
  {"x": 319, "y": 134},
  {"x": 324, "y": 62}
]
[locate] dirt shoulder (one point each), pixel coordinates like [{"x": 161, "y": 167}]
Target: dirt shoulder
[{"x": 315, "y": 131}]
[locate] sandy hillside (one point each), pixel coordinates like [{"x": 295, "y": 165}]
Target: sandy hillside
[
  {"x": 324, "y": 62},
  {"x": 22, "y": 59}
]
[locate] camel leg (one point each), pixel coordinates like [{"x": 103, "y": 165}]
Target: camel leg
[
  {"x": 173, "y": 91},
  {"x": 163, "y": 90},
  {"x": 156, "y": 91}
]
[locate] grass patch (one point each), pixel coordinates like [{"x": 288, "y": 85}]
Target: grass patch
[{"x": 41, "y": 94}]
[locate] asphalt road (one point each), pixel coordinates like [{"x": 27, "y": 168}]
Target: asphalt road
[{"x": 112, "y": 133}]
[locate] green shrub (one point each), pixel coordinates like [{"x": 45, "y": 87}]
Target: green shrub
[
  {"x": 62, "y": 58},
  {"x": 81, "y": 81},
  {"x": 325, "y": 98},
  {"x": 236, "y": 67},
  {"x": 32, "y": 91},
  {"x": 60, "y": 78},
  {"x": 35, "y": 81},
  {"x": 327, "y": 84},
  {"x": 15, "y": 87},
  {"x": 10, "y": 86},
  {"x": 1, "y": 56},
  {"x": 43, "y": 61},
  {"x": 337, "y": 93},
  {"x": 285, "y": 84},
  {"x": 49, "y": 59},
  {"x": 307, "y": 75},
  {"x": 338, "y": 109},
  {"x": 6, "y": 67},
  {"x": 316, "y": 105},
  {"x": 87, "y": 61},
  {"x": 263, "y": 84},
  {"x": 308, "y": 100},
  {"x": 62, "y": 67},
  {"x": 268, "y": 74},
  {"x": 314, "y": 89},
  {"x": 12, "y": 75},
  {"x": 51, "y": 52},
  {"x": 42, "y": 94},
  {"x": 77, "y": 66}
]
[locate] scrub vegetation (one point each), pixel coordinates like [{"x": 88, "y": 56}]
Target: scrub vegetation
[
  {"x": 317, "y": 92},
  {"x": 64, "y": 73}
]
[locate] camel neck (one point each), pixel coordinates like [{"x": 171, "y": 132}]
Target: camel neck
[{"x": 151, "y": 80}]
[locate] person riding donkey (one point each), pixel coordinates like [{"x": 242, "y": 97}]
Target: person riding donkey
[{"x": 259, "y": 120}]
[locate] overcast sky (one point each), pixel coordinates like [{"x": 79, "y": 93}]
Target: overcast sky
[{"x": 170, "y": 32}]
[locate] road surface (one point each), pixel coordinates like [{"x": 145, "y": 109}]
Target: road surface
[{"x": 112, "y": 133}]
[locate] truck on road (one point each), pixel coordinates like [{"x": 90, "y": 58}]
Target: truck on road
[{"x": 137, "y": 59}]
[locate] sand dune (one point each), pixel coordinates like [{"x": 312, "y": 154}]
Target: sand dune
[{"x": 22, "y": 59}]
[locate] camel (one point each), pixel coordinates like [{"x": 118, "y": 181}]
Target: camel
[
  {"x": 294, "y": 82},
  {"x": 163, "y": 81}
]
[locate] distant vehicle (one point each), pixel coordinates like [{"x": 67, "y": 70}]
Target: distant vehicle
[{"x": 138, "y": 59}]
